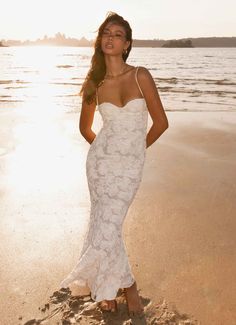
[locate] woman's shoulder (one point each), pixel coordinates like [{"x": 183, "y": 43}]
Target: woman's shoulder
[
  {"x": 137, "y": 67},
  {"x": 143, "y": 73}
]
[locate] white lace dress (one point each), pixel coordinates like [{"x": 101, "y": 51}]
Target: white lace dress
[{"x": 114, "y": 168}]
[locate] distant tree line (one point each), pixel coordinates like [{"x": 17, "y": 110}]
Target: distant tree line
[
  {"x": 1, "y": 44},
  {"x": 178, "y": 43},
  {"x": 60, "y": 39}
]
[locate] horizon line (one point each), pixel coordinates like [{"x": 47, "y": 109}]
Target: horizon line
[{"x": 137, "y": 39}]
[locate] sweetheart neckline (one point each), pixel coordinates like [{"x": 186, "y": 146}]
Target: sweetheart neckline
[{"x": 121, "y": 107}]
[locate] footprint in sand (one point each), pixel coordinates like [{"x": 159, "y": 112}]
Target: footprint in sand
[{"x": 83, "y": 310}]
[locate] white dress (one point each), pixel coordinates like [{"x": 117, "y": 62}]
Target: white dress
[{"x": 114, "y": 169}]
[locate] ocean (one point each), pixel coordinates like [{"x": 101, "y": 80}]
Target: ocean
[{"x": 49, "y": 78}]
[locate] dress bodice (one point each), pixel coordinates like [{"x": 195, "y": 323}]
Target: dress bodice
[
  {"x": 124, "y": 128},
  {"x": 136, "y": 107}
]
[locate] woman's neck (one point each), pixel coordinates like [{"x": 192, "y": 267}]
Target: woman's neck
[{"x": 114, "y": 66}]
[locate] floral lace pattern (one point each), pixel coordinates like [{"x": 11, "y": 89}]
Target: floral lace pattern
[{"x": 114, "y": 168}]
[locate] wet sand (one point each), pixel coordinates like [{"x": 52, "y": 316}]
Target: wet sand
[{"x": 179, "y": 231}]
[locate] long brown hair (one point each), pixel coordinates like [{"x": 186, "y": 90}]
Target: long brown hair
[{"x": 97, "y": 69}]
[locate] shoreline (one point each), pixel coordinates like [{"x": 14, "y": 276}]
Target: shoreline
[{"x": 182, "y": 218}]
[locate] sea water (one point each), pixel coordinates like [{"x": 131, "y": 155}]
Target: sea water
[{"x": 49, "y": 78}]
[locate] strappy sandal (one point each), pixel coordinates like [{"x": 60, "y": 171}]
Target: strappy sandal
[{"x": 104, "y": 305}]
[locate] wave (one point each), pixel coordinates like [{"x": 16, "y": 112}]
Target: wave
[
  {"x": 226, "y": 82},
  {"x": 196, "y": 92},
  {"x": 169, "y": 80},
  {"x": 65, "y": 66},
  {"x": 66, "y": 83},
  {"x": 3, "y": 82},
  {"x": 6, "y": 82},
  {"x": 11, "y": 101},
  {"x": 13, "y": 87},
  {"x": 69, "y": 95}
]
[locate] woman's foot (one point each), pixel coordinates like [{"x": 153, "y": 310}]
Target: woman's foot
[
  {"x": 135, "y": 307},
  {"x": 108, "y": 305}
]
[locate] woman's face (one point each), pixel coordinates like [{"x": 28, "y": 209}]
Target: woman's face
[{"x": 113, "y": 41}]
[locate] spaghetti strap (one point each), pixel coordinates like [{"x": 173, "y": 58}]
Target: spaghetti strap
[
  {"x": 96, "y": 96},
  {"x": 136, "y": 72}
]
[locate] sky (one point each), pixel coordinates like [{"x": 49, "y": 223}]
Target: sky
[{"x": 150, "y": 19}]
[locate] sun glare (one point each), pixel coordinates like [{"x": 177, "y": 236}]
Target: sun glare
[
  {"x": 44, "y": 158},
  {"x": 47, "y": 156}
]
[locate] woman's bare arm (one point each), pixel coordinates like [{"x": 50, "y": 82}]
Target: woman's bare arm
[
  {"x": 86, "y": 121},
  {"x": 154, "y": 104}
]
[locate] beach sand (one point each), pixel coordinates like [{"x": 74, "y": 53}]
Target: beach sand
[{"x": 179, "y": 231}]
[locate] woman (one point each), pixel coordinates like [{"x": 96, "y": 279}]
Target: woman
[{"x": 124, "y": 95}]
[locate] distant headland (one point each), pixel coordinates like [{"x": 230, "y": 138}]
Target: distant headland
[
  {"x": 1, "y": 45},
  {"x": 61, "y": 40},
  {"x": 178, "y": 43}
]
